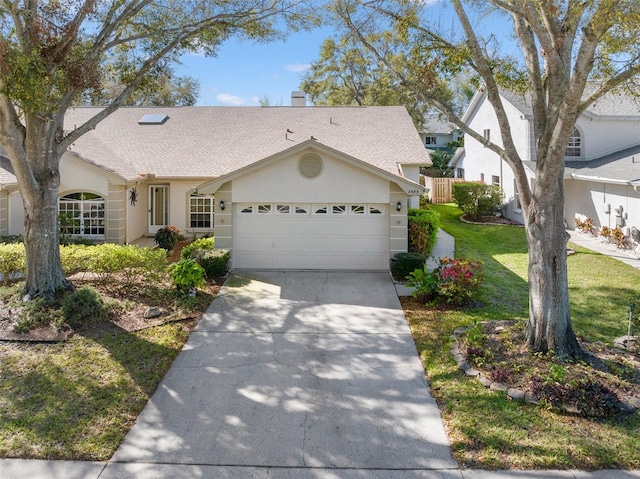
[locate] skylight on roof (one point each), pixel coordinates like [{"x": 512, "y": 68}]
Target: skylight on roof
[{"x": 153, "y": 119}]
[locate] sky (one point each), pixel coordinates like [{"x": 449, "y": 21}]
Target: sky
[{"x": 243, "y": 72}]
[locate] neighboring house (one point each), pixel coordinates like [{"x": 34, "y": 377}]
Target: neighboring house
[
  {"x": 283, "y": 187},
  {"x": 438, "y": 132},
  {"x": 602, "y": 158}
]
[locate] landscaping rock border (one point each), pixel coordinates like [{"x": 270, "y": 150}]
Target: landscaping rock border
[{"x": 512, "y": 393}]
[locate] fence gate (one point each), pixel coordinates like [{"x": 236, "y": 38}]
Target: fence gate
[{"x": 439, "y": 188}]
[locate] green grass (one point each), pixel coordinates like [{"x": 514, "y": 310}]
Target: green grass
[
  {"x": 77, "y": 399},
  {"x": 485, "y": 428}
]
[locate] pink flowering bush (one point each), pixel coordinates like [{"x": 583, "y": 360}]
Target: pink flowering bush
[{"x": 459, "y": 280}]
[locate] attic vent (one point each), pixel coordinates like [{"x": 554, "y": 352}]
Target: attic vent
[
  {"x": 153, "y": 119},
  {"x": 310, "y": 166}
]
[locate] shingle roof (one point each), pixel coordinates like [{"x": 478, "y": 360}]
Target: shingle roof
[
  {"x": 611, "y": 104},
  {"x": 207, "y": 142},
  {"x": 437, "y": 123},
  {"x": 621, "y": 166}
]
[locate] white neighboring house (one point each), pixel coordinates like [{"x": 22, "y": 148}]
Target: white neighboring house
[
  {"x": 602, "y": 158},
  {"x": 282, "y": 187},
  {"x": 438, "y": 132}
]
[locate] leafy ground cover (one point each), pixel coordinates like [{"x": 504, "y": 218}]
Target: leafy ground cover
[
  {"x": 77, "y": 398},
  {"x": 488, "y": 430}
]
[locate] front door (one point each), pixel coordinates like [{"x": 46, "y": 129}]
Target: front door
[{"x": 158, "y": 207}]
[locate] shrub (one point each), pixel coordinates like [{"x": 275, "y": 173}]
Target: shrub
[
  {"x": 619, "y": 238},
  {"x": 405, "y": 263},
  {"x": 458, "y": 280},
  {"x": 199, "y": 244},
  {"x": 477, "y": 199},
  {"x": 186, "y": 274},
  {"x": 214, "y": 261},
  {"x": 585, "y": 226},
  {"x": 83, "y": 305},
  {"x": 585, "y": 396},
  {"x": 605, "y": 231},
  {"x": 166, "y": 238},
  {"x": 37, "y": 313},
  {"x": 13, "y": 261},
  {"x": 425, "y": 284},
  {"x": 75, "y": 258},
  {"x": 129, "y": 262},
  {"x": 423, "y": 230}
]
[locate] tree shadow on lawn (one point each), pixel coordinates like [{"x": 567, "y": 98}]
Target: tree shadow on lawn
[{"x": 81, "y": 399}]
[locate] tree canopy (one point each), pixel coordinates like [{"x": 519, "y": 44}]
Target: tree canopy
[
  {"x": 565, "y": 56},
  {"x": 53, "y": 52}
]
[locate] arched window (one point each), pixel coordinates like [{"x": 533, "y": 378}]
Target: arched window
[
  {"x": 574, "y": 147},
  {"x": 82, "y": 214}
]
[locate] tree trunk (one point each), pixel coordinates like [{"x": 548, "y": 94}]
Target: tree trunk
[
  {"x": 39, "y": 190},
  {"x": 42, "y": 246},
  {"x": 549, "y": 327}
]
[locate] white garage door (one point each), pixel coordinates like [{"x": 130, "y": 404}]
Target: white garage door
[{"x": 305, "y": 236}]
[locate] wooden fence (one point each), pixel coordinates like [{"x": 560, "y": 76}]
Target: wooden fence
[{"x": 439, "y": 188}]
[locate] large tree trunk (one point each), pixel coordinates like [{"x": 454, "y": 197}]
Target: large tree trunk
[
  {"x": 40, "y": 198},
  {"x": 42, "y": 245},
  {"x": 549, "y": 327}
]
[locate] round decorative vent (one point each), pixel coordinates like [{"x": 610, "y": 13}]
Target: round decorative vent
[{"x": 310, "y": 166}]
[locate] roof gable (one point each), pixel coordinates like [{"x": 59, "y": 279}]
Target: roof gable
[{"x": 406, "y": 185}]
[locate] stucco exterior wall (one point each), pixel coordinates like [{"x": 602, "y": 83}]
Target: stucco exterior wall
[
  {"x": 16, "y": 213},
  {"x": 137, "y": 216},
  {"x": 481, "y": 164},
  {"x": 76, "y": 175},
  {"x": 115, "y": 213},
  {"x": 338, "y": 182},
  {"x": 593, "y": 200},
  {"x": 223, "y": 220},
  {"x": 398, "y": 222},
  {"x": 4, "y": 213},
  {"x": 441, "y": 140},
  {"x": 601, "y": 137}
]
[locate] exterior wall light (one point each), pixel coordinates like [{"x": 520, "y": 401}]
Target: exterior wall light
[
  {"x": 222, "y": 205},
  {"x": 399, "y": 206}
]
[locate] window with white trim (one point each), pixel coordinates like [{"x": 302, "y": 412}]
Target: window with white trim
[
  {"x": 264, "y": 209},
  {"x": 574, "y": 147},
  {"x": 301, "y": 210},
  {"x": 374, "y": 210},
  {"x": 246, "y": 210},
  {"x": 495, "y": 180},
  {"x": 283, "y": 209},
  {"x": 357, "y": 209},
  {"x": 201, "y": 211},
  {"x": 430, "y": 140},
  {"x": 82, "y": 214}
]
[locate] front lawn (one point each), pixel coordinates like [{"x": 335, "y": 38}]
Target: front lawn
[
  {"x": 76, "y": 398},
  {"x": 486, "y": 429}
]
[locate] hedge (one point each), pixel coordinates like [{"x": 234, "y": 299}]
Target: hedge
[{"x": 423, "y": 230}]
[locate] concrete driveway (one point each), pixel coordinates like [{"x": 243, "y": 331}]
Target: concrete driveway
[{"x": 312, "y": 374}]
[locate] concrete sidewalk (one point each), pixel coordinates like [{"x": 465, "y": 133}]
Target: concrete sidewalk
[
  {"x": 595, "y": 245},
  {"x": 33, "y": 469}
]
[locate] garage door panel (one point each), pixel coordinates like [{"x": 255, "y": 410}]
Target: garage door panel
[{"x": 310, "y": 241}]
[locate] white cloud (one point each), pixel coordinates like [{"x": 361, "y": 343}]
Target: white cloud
[
  {"x": 227, "y": 99},
  {"x": 297, "y": 67},
  {"x": 255, "y": 99}
]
